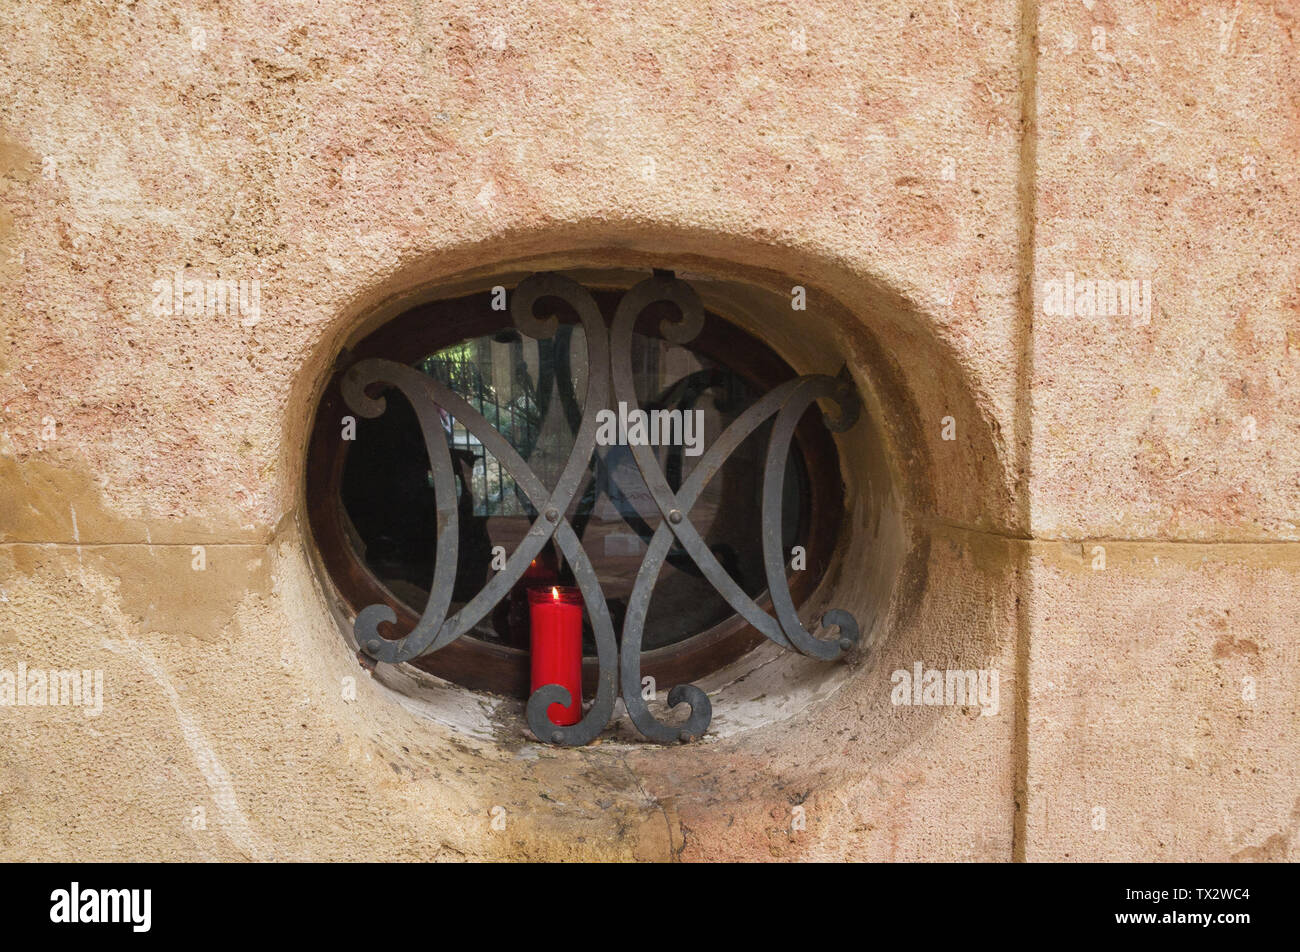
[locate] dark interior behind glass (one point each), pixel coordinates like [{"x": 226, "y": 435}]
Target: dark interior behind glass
[{"x": 532, "y": 392}]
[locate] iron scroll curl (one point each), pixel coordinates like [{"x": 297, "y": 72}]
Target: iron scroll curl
[{"x": 609, "y": 357}]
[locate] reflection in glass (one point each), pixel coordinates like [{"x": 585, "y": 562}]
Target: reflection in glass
[{"x": 532, "y": 392}]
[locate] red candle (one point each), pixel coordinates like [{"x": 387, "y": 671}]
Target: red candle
[
  {"x": 557, "y": 646},
  {"x": 510, "y": 617}
]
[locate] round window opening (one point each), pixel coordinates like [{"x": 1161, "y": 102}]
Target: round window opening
[{"x": 374, "y": 510}]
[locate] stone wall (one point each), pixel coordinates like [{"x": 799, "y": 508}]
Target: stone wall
[{"x": 1113, "y": 527}]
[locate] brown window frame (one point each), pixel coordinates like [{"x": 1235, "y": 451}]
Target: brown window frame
[{"x": 501, "y": 669}]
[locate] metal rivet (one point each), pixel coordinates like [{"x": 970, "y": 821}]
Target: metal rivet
[
  {"x": 845, "y": 644},
  {"x": 552, "y": 515},
  {"x": 684, "y": 736},
  {"x": 374, "y": 646},
  {"x": 556, "y": 737},
  {"x": 674, "y": 516}
]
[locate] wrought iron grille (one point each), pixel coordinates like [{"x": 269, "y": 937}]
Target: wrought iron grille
[{"x": 437, "y": 391}]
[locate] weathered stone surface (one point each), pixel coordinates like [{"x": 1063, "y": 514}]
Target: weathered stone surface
[
  {"x": 251, "y": 724},
  {"x": 341, "y": 156},
  {"x": 926, "y": 173},
  {"x": 1162, "y": 690},
  {"x": 1169, "y": 156}
]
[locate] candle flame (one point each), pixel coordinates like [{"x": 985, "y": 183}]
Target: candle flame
[{"x": 555, "y": 593}]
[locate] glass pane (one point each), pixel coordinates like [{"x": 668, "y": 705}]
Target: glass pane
[{"x": 532, "y": 392}]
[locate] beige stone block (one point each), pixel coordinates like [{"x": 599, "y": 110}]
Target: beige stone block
[
  {"x": 1167, "y": 152},
  {"x": 250, "y": 722},
  {"x": 343, "y": 159},
  {"x": 1162, "y": 691}
]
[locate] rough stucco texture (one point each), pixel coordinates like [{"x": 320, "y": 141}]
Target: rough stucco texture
[{"x": 927, "y": 171}]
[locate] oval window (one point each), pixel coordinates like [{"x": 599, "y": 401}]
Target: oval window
[{"x": 371, "y": 498}]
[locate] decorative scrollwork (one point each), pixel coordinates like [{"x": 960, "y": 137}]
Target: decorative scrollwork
[{"x": 609, "y": 357}]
